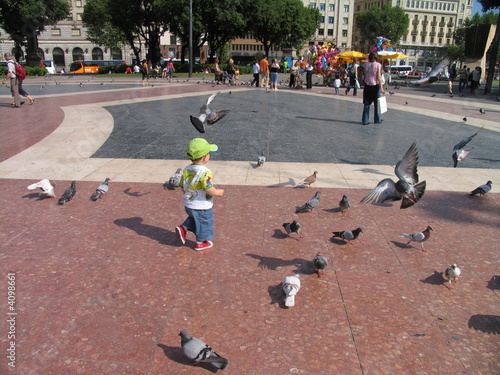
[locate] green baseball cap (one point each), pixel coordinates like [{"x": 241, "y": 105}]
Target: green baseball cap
[{"x": 199, "y": 147}]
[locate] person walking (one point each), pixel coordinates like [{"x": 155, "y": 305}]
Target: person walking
[
  {"x": 353, "y": 79},
  {"x": 256, "y": 73},
  {"x": 264, "y": 72},
  {"x": 294, "y": 71},
  {"x": 23, "y": 92},
  {"x": 14, "y": 83},
  {"x": 475, "y": 77},
  {"x": 373, "y": 88},
  {"x": 309, "y": 75},
  {"x": 336, "y": 84},
  {"x": 275, "y": 71},
  {"x": 145, "y": 72},
  {"x": 462, "y": 78}
]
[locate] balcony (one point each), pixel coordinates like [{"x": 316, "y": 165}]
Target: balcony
[
  {"x": 442, "y": 24},
  {"x": 434, "y": 23},
  {"x": 414, "y": 32},
  {"x": 450, "y": 24},
  {"x": 423, "y": 33},
  {"x": 425, "y": 22},
  {"x": 415, "y": 22},
  {"x": 432, "y": 33},
  {"x": 449, "y": 35},
  {"x": 440, "y": 34}
]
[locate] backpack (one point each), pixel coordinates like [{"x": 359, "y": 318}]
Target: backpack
[{"x": 20, "y": 72}]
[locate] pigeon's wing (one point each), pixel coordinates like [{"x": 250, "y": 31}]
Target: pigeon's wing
[
  {"x": 406, "y": 168},
  {"x": 463, "y": 142},
  {"x": 211, "y": 98},
  {"x": 416, "y": 192},
  {"x": 434, "y": 72},
  {"x": 198, "y": 122},
  {"x": 385, "y": 190},
  {"x": 454, "y": 156},
  {"x": 215, "y": 116}
]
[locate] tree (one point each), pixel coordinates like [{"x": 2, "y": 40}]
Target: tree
[
  {"x": 493, "y": 51},
  {"x": 24, "y": 20},
  {"x": 281, "y": 22},
  {"x": 388, "y": 21}
]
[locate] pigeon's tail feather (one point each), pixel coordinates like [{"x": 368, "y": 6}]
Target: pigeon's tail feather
[
  {"x": 337, "y": 234},
  {"x": 303, "y": 208},
  {"x": 60, "y": 202},
  {"x": 94, "y": 197}
]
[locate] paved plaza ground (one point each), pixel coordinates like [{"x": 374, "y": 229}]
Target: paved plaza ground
[{"x": 104, "y": 287}]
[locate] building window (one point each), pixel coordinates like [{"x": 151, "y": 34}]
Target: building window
[
  {"x": 423, "y": 39},
  {"x": 330, "y": 19},
  {"x": 322, "y": 6},
  {"x": 398, "y": 3},
  {"x": 116, "y": 54},
  {"x": 344, "y": 33},
  {"x": 78, "y": 3},
  {"x": 331, "y": 7},
  {"x": 312, "y": 5},
  {"x": 345, "y": 20},
  {"x": 77, "y": 53},
  {"x": 346, "y": 8},
  {"x": 79, "y": 17},
  {"x": 462, "y": 7},
  {"x": 330, "y": 32},
  {"x": 322, "y": 20},
  {"x": 56, "y": 31},
  {"x": 411, "y": 52},
  {"x": 460, "y": 21},
  {"x": 432, "y": 40},
  {"x": 321, "y": 32},
  {"x": 76, "y": 32},
  {"x": 97, "y": 54},
  {"x": 344, "y": 45},
  {"x": 70, "y": 17},
  {"x": 430, "y": 52}
]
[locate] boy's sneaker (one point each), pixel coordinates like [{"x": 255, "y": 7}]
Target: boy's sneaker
[
  {"x": 203, "y": 245},
  {"x": 181, "y": 233}
]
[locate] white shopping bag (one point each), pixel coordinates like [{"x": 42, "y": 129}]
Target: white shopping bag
[{"x": 382, "y": 105}]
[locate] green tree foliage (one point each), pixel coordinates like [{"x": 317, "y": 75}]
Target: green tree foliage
[
  {"x": 388, "y": 21},
  {"x": 489, "y": 18},
  {"x": 281, "y": 22},
  {"x": 24, "y": 20}
]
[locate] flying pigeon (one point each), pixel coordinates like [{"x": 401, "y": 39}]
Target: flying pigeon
[
  {"x": 293, "y": 227},
  {"x": 310, "y": 180},
  {"x": 320, "y": 263},
  {"x": 68, "y": 194},
  {"x": 452, "y": 273},
  {"x": 459, "y": 153},
  {"x": 207, "y": 116},
  {"x": 45, "y": 186},
  {"x": 407, "y": 188},
  {"x": 200, "y": 352},
  {"x": 433, "y": 74},
  {"x": 348, "y": 235},
  {"x": 419, "y": 237},
  {"x": 344, "y": 204},
  {"x": 101, "y": 189},
  {"x": 291, "y": 285},
  {"x": 481, "y": 190},
  {"x": 310, "y": 204},
  {"x": 175, "y": 179},
  {"x": 261, "y": 159}
]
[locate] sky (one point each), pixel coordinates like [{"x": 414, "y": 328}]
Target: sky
[{"x": 477, "y": 7}]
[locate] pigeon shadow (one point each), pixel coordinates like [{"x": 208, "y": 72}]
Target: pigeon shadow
[
  {"x": 134, "y": 193},
  {"x": 163, "y": 236},
  {"x": 35, "y": 195},
  {"x": 494, "y": 282},
  {"x": 338, "y": 241},
  {"x": 175, "y": 354},
  {"x": 332, "y": 210},
  {"x": 291, "y": 182},
  {"x": 489, "y": 324},
  {"x": 166, "y": 186},
  {"x": 277, "y": 295},
  {"x": 254, "y": 165},
  {"x": 435, "y": 279},
  {"x": 402, "y": 245},
  {"x": 271, "y": 263},
  {"x": 278, "y": 233}
]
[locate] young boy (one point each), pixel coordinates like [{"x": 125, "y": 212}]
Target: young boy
[
  {"x": 196, "y": 182},
  {"x": 337, "y": 83}
]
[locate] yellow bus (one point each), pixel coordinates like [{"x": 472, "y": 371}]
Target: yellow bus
[{"x": 92, "y": 66}]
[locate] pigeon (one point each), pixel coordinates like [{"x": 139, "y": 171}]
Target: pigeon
[
  {"x": 291, "y": 285},
  {"x": 200, "y": 352},
  {"x": 348, "y": 235},
  {"x": 407, "y": 189},
  {"x": 310, "y": 180},
  {"x": 261, "y": 159},
  {"x": 320, "y": 263},
  {"x": 482, "y": 111},
  {"x": 406, "y": 103},
  {"x": 207, "y": 116},
  {"x": 465, "y": 119},
  {"x": 452, "y": 273},
  {"x": 419, "y": 237},
  {"x": 433, "y": 95},
  {"x": 175, "y": 179},
  {"x": 45, "y": 186},
  {"x": 344, "y": 204},
  {"x": 101, "y": 189},
  {"x": 68, "y": 194},
  {"x": 310, "y": 204},
  {"x": 81, "y": 84},
  {"x": 459, "y": 154},
  {"x": 293, "y": 227},
  {"x": 481, "y": 190}
]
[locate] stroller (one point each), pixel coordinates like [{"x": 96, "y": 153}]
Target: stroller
[{"x": 227, "y": 77}]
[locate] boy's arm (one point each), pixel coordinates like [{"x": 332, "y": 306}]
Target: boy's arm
[{"x": 214, "y": 192}]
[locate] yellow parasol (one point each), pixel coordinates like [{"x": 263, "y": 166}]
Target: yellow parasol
[
  {"x": 353, "y": 55},
  {"x": 345, "y": 60},
  {"x": 390, "y": 55}
]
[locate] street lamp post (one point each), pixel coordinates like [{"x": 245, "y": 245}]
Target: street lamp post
[{"x": 191, "y": 38}]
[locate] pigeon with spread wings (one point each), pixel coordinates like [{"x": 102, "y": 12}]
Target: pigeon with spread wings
[
  {"x": 459, "y": 153},
  {"x": 407, "y": 189},
  {"x": 207, "y": 116}
]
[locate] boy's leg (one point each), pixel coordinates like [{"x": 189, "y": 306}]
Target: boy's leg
[{"x": 204, "y": 222}]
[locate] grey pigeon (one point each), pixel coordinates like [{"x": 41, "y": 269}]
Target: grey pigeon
[
  {"x": 101, "y": 189},
  {"x": 207, "y": 116},
  {"x": 46, "y": 186},
  {"x": 348, "y": 235},
  {"x": 481, "y": 190},
  {"x": 310, "y": 204},
  {"x": 407, "y": 189},
  {"x": 419, "y": 237},
  {"x": 291, "y": 286},
  {"x": 344, "y": 204},
  {"x": 482, "y": 111},
  {"x": 69, "y": 193},
  {"x": 320, "y": 263},
  {"x": 452, "y": 273},
  {"x": 293, "y": 227},
  {"x": 200, "y": 352},
  {"x": 310, "y": 180},
  {"x": 175, "y": 179},
  {"x": 459, "y": 153},
  {"x": 261, "y": 159}
]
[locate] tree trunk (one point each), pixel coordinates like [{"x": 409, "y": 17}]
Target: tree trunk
[
  {"x": 32, "y": 57},
  {"x": 493, "y": 52}
]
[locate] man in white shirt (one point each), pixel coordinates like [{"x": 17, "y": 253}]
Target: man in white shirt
[{"x": 11, "y": 75}]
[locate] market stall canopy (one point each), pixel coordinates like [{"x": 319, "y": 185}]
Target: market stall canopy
[
  {"x": 390, "y": 55},
  {"x": 353, "y": 55}
]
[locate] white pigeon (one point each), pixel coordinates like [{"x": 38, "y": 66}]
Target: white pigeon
[
  {"x": 291, "y": 285},
  {"x": 207, "y": 116},
  {"x": 261, "y": 159},
  {"x": 45, "y": 186},
  {"x": 452, "y": 273},
  {"x": 200, "y": 352},
  {"x": 175, "y": 179}
]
